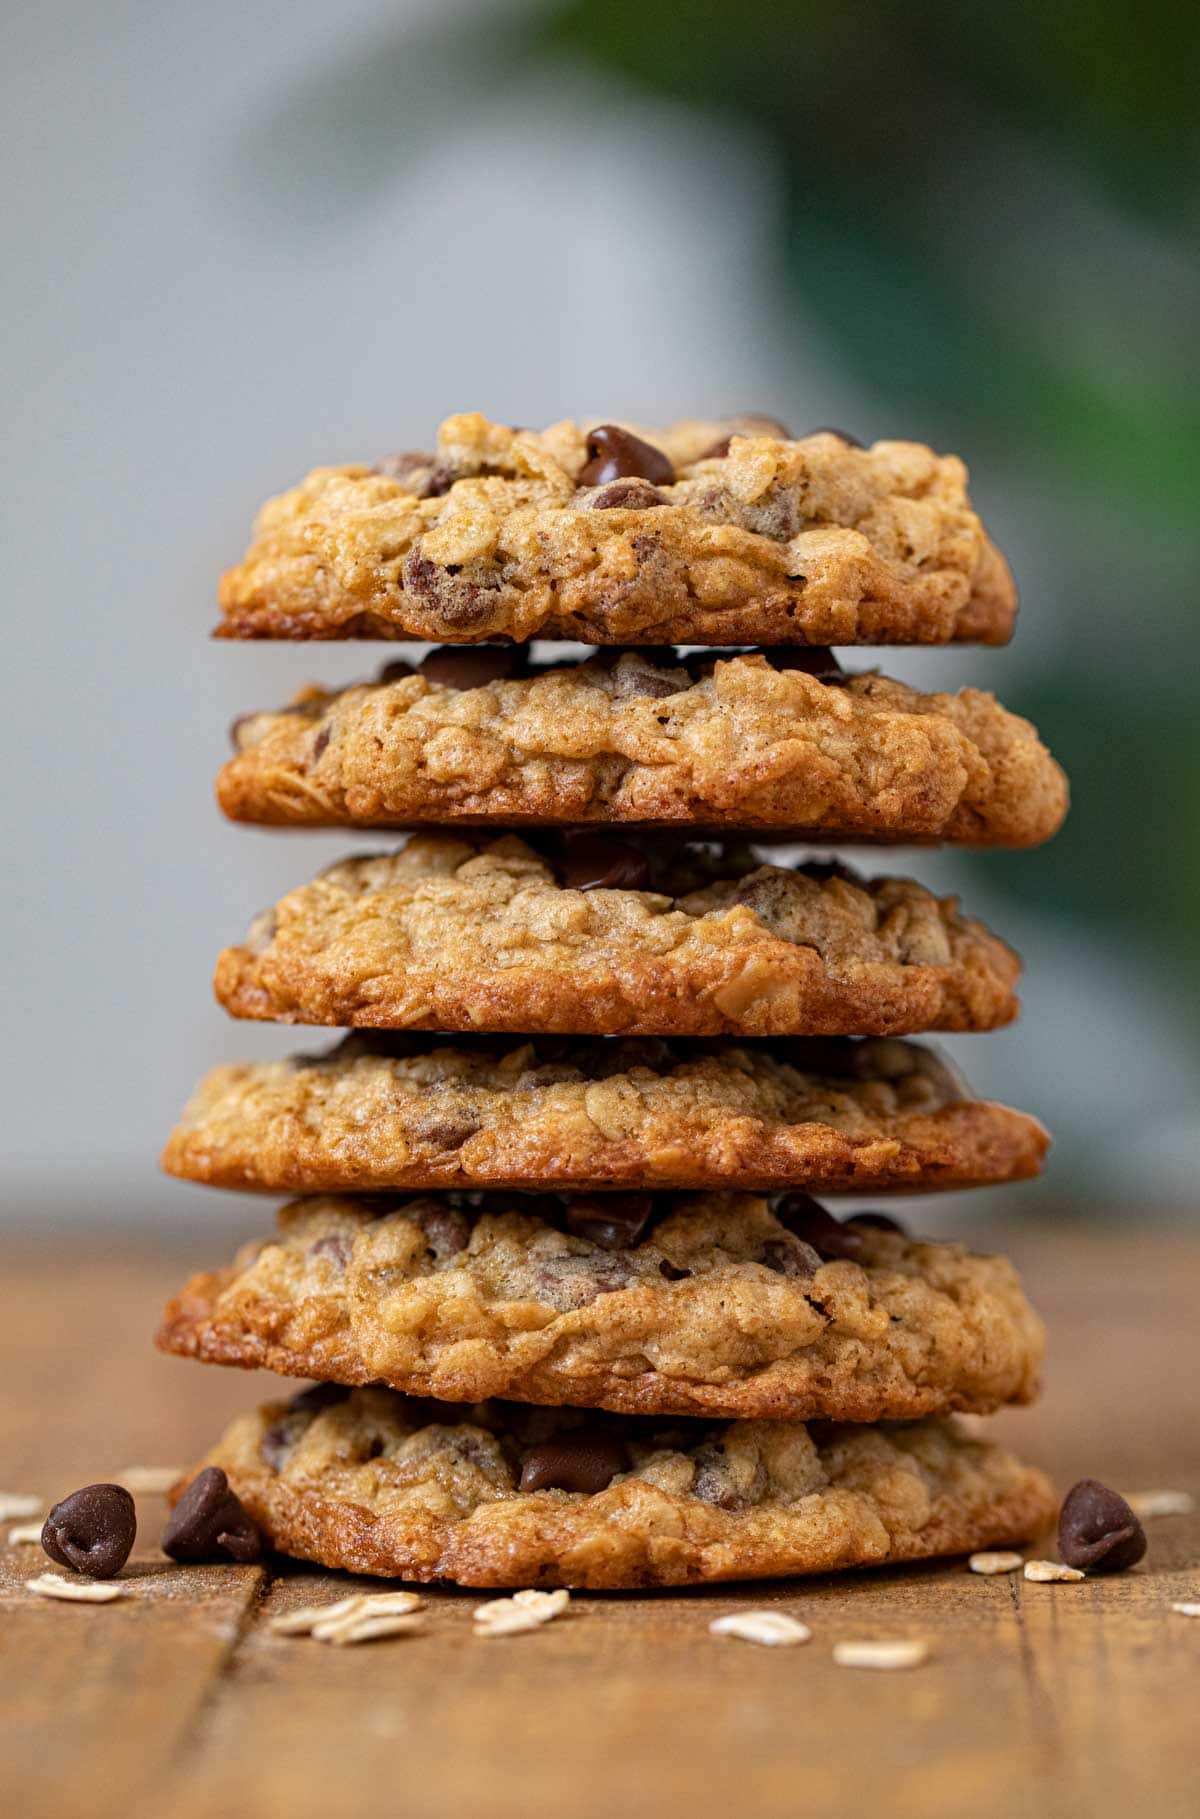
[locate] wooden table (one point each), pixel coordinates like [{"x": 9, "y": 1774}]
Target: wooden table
[{"x": 1038, "y": 1700}]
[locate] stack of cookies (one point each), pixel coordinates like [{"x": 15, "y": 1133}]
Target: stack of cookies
[{"x": 555, "y": 1264}]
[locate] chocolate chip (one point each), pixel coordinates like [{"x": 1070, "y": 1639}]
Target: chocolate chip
[
  {"x": 878, "y": 1222},
  {"x": 338, "y": 1246},
  {"x": 812, "y": 659},
  {"x": 808, "y": 1220},
  {"x": 413, "y": 464},
  {"x": 396, "y": 671},
  {"x": 584, "y": 1459},
  {"x": 627, "y": 495},
  {"x": 447, "y": 1230},
  {"x": 448, "y": 1132},
  {"x": 789, "y": 1256},
  {"x": 209, "y": 1523},
  {"x": 671, "y": 1273},
  {"x": 236, "y": 727},
  {"x": 457, "y": 601},
  {"x": 843, "y": 435},
  {"x": 822, "y": 870},
  {"x": 592, "y": 862},
  {"x": 748, "y": 425},
  {"x": 467, "y": 666},
  {"x": 320, "y": 744},
  {"x": 616, "y": 454},
  {"x": 319, "y": 1396},
  {"x": 614, "y": 1222},
  {"x": 1097, "y": 1530},
  {"x": 637, "y": 675},
  {"x": 92, "y": 1530}
]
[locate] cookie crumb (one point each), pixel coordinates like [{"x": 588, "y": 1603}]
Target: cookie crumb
[
  {"x": 774, "y": 1629},
  {"x": 19, "y": 1503},
  {"x": 25, "y": 1534},
  {"x": 887, "y": 1656},
  {"x": 995, "y": 1563},
  {"x": 523, "y": 1611},
  {"x": 1160, "y": 1503},
  {"x": 150, "y": 1480},
  {"x": 74, "y": 1591},
  {"x": 1051, "y": 1572}
]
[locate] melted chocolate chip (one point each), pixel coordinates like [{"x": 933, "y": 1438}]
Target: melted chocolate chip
[
  {"x": 878, "y": 1222},
  {"x": 809, "y": 1221},
  {"x": 616, "y": 454},
  {"x": 748, "y": 425},
  {"x": 614, "y": 1222},
  {"x": 320, "y": 744},
  {"x": 636, "y": 675},
  {"x": 467, "y": 666},
  {"x": 210, "y": 1523},
  {"x": 628, "y": 496},
  {"x": 412, "y": 464},
  {"x": 319, "y": 1396},
  {"x": 813, "y": 659},
  {"x": 789, "y": 1256},
  {"x": 593, "y": 862},
  {"x": 396, "y": 671},
  {"x": 669, "y": 1271},
  {"x": 1097, "y": 1530},
  {"x": 457, "y": 601},
  {"x": 585, "y": 1459},
  {"x": 337, "y": 1246},
  {"x": 92, "y": 1530}
]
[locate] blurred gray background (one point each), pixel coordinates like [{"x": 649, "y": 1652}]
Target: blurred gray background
[{"x": 244, "y": 239}]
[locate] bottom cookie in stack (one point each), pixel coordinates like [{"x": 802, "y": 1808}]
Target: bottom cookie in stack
[
  {"x": 711, "y": 1328},
  {"x": 499, "y": 1494}
]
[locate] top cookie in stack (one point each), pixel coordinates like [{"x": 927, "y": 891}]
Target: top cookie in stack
[
  {"x": 705, "y": 533},
  {"x": 496, "y": 1201}
]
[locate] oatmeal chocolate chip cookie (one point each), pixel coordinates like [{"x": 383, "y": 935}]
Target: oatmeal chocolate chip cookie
[
  {"x": 690, "y": 535},
  {"x": 475, "y": 736},
  {"x": 420, "y": 1111},
  {"x": 599, "y": 936},
  {"x": 382, "y": 1484},
  {"x": 718, "y": 1304}
]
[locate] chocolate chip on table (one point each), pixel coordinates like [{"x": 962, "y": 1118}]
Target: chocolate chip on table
[
  {"x": 584, "y": 1459},
  {"x": 807, "y": 1220},
  {"x": 92, "y": 1530},
  {"x": 467, "y": 666},
  {"x": 210, "y": 1523},
  {"x": 617, "y": 454},
  {"x": 631, "y": 495},
  {"x": 591, "y": 862},
  {"x": 614, "y": 1222},
  {"x": 813, "y": 659},
  {"x": 1097, "y": 1530}
]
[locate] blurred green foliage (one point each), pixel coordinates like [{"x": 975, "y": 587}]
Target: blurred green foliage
[{"x": 991, "y": 213}]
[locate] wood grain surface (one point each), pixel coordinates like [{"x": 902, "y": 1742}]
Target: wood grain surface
[{"x": 1037, "y": 1699}]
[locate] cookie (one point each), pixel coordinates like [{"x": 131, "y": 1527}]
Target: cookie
[
  {"x": 718, "y": 1304},
  {"x": 594, "y": 935},
  {"x": 381, "y": 1484},
  {"x": 709, "y": 533},
  {"x": 475, "y": 736},
  {"x": 421, "y": 1111}
]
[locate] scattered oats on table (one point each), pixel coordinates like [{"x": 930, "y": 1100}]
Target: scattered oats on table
[
  {"x": 1051, "y": 1572},
  {"x": 886, "y": 1656},
  {"x": 25, "y": 1534},
  {"x": 1002, "y": 1562},
  {"x": 150, "y": 1480},
  {"x": 1145, "y": 1504},
  {"x": 1186, "y": 1610},
  {"x": 774, "y": 1629},
  {"x": 321, "y": 1620},
  {"x": 19, "y": 1503},
  {"x": 523, "y": 1611},
  {"x": 75, "y": 1591}
]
